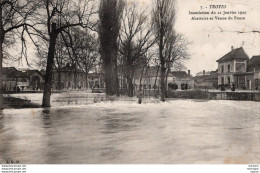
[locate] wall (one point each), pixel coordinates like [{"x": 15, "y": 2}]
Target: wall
[{"x": 235, "y": 66}]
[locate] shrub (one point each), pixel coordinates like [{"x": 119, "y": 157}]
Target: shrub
[
  {"x": 173, "y": 86},
  {"x": 194, "y": 94}
]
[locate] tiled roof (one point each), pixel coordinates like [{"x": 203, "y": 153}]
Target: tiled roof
[
  {"x": 179, "y": 74},
  {"x": 9, "y": 71},
  {"x": 29, "y": 73},
  {"x": 12, "y": 72},
  {"x": 238, "y": 53},
  {"x": 69, "y": 69},
  {"x": 213, "y": 76},
  {"x": 152, "y": 72},
  {"x": 255, "y": 60}
]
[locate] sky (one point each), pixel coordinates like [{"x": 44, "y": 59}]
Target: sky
[{"x": 207, "y": 42}]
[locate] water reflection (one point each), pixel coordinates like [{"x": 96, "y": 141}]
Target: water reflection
[{"x": 46, "y": 118}]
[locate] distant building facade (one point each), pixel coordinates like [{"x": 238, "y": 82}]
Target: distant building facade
[
  {"x": 236, "y": 67},
  {"x": 71, "y": 78},
  {"x": 207, "y": 80},
  {"x": 179, "y": 78},
  {"x": 15, "y": 80},
  {"x": 235, "y": 61},
  {"x": 150, "y": 79},
  {"x": 203, "y": 73}
]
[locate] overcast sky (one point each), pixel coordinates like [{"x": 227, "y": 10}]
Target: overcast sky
[{"x": 208, "y": 43}]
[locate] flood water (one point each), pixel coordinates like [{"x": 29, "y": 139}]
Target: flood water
[{"x": 78, "y": 131}]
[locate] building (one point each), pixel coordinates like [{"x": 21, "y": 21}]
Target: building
[
  {"x": 254, "y": 64},
  {"x": 207, "y": 80},
  {"x": 236, "y": 67},
  {"x": 181, "y": 77},
  {"x": 234, "y": 62},
  {"x": 71, "y": 78},
  {"x": 249, "y": 80},
  {"x": 96, "y": 80},
  {"x": 150, "y": 79},
  {"x": 26, "y": 80},
  {"x": 203, "y": 73}
]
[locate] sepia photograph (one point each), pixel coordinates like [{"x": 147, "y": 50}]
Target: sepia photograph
[{"x": 129, "y": 82}]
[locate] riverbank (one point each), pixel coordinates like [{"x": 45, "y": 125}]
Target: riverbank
[
  {"x": 17, "y": 103},
  {"x": 194, "y": 94},
  {"x": 216, "y": 95}
]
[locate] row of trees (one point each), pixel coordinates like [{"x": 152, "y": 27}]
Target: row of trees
[
  {"x": 116, "y": 34},
  {"x": 142, "y": 35}
]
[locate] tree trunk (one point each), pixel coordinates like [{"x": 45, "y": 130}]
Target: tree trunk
[
  {"x": 1, "y": 60},
  {"x": 59, "y": 79},
  {"x": 162, "y": 60},
  {"x": 156, "y": 78},
  {"x": 141, "y": 78},
  {"x": 48, "y": 78},
  {"x": 75, "y": 78},
  {"x": 86, "y": 78},
  {"x": 130, "y": 75},
  {"x": 167, "y": 74},
  {"x": 111, "y": 76},
  {"x": 163, "y": 84},
  {"x": 115, "y": 72}
]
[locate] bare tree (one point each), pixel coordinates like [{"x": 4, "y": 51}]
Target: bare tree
[
  {"x": 82, "y": 47},
  {"x": 110, "y": 15},
  {"x": 164, "y": 18},
  {"x": 136, "y": 38},
  {"x": 67, "y": 14},
  {"x": 13, "y": 17},
  {"x": 145, "y": 65},
  {"x": 176, "y": 52},
  {"x": 61, "y": 59}
]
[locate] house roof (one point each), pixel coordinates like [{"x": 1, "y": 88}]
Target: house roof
[
  {"x": 179, "y": 74},
  {"x": 152, "y": 72},
  {"x": 212, "y": 76},
  {"x": 12, "y": 72},
  {"x": 29, "y": 73},
  {"x": 255, "y": 60},
  {"x": 234, "y": 54},
  {"x": 69, "y": 68}
]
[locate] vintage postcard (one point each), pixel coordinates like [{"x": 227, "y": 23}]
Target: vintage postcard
[{"x": 129, "y": 82}]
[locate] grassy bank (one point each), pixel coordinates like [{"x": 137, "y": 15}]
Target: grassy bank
[
  {"x": 16, "y": 103},
  {"x": 194, "y": 94}
]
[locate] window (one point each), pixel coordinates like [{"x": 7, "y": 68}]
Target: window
[
  {"x": 222, "y": 68},
  {"x": 222, "y": 80},
  {"x": 228, "y": 67},
  {"x": 229, "y": 82}
]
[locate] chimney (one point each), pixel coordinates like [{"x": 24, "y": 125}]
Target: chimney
[
  {"x": 204, "y": 72},
  {"x": 232, "y": 48},
  {"x": 189, "y": 72}
]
